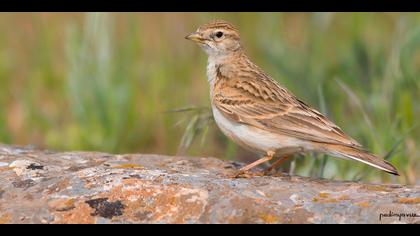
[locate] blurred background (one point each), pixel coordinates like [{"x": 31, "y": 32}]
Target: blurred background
[{"x": 131, "y": 83}]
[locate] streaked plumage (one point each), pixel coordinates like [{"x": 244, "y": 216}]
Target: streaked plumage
[{"x": 259, "y": 114}]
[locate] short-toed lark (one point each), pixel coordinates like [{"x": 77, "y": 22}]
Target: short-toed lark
[{"x": 256, "y": 112}]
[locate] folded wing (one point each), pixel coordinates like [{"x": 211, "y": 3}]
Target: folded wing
[{"x": 267, "y": 106}]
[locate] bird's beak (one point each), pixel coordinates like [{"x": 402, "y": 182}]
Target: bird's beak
[{"x": 196, "y": 37}]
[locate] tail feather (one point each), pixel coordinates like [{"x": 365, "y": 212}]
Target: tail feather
[{"x": 362, "y": 156}]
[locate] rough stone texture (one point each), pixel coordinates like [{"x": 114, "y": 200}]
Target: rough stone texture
[{"x": 85, "y": 187}]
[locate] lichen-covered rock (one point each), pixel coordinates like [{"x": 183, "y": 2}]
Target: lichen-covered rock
[{"x": 86, "y": 187}]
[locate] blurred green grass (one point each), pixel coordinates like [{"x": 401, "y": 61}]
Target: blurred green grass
[{"x": 105, "y": 81}]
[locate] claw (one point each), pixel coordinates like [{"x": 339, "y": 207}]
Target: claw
[
  {"x": 246, "y": 175},
  {"x": 239, "y": 174},
  {"x": 267, "y": 172}
]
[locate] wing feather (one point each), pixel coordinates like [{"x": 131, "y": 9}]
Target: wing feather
[{"x": 263, "y": 103}]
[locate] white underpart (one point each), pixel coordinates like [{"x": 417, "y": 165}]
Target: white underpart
[{"x": 255, "y": 139}]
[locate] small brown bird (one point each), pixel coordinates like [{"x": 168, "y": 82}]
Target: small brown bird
[{"x": 256, "y": 112}]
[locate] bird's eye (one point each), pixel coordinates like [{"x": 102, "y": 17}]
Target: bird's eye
[{"x": 219, "y": 34}]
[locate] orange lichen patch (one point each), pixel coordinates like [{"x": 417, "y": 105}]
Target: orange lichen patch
[
  {"x": 331, "y": 200},
  {"x": 324, "y": 195},
  {"x": 80, "y": 214},
  {"x": 362, "y": 204},
  {"x": 5, "y": 218},
  {"x": 343, "y": 198},
  {"x": 325, "y": 198},
  {"x": 62, "y": 204},
  {"x": 129, "y": 166},
  {"x": 268, "y": 218},
  {"x": 144, "y": 200},
  {"x": 5, "y": 168},
  {"x": 409, "y": 200},
  {"x": 378, "y": 188}
]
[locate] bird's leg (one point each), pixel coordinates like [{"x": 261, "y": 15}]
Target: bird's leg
[
  {"x": 268, "y": 157},
  {"x": 276, "y": 164},
  {"x": 284, "y": 154}
]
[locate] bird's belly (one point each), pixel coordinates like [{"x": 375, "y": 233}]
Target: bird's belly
[{"x": 252, "y": 138}]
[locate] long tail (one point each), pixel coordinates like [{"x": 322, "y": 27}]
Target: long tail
[{"x": 359, "y": 155}]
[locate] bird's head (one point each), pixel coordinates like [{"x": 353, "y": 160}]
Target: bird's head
[{"x": 217, "y": 38}]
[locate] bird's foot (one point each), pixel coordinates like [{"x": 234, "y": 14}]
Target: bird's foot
[
  {"x": 269, "y": 172},
  {"x": 246, "y": 174},
  {"x": 275, "y": 173}
]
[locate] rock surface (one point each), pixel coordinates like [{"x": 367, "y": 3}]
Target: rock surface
[{"x": 85, "y": 187}]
